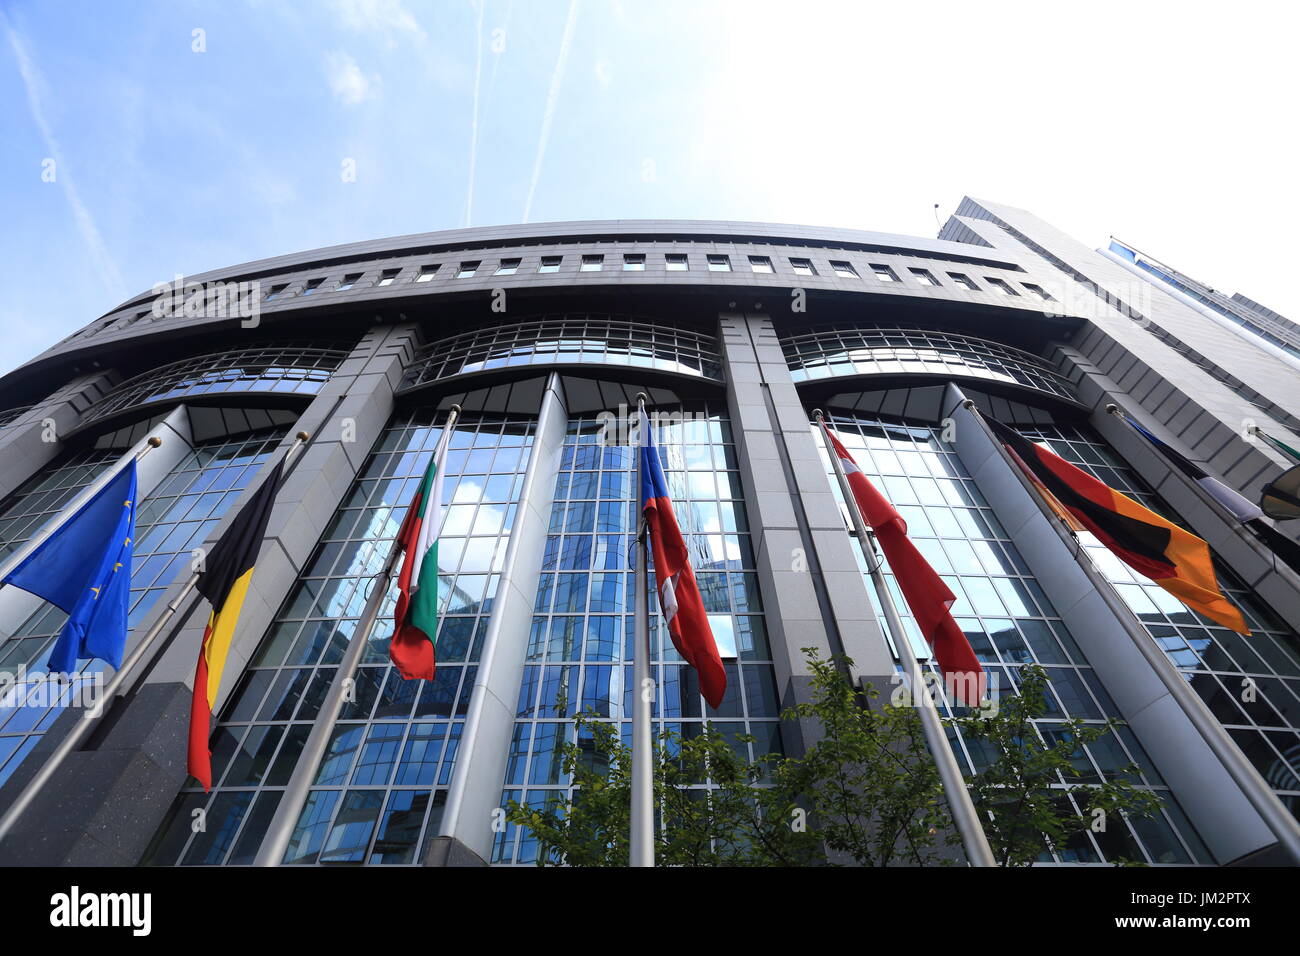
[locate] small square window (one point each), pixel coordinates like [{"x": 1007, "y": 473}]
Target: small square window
[
  {"x": 803, "y": 267},
  {"x": 844, "y": 269},
  {"x": 467, "y": 269},
  {"x": 963, "y": 280},
  {"x": 388, "y": 276},
  {"x": 1039, "y": 291},
  {"x": 1001, "y": 285},
  {"x": 884, "y": 273},
  {"x": 634, "y": 262},
  {"x": 508, "y": 267},
  {"x": 549, "y": 264},
  {"x": 348, "y": 281},
  {"x": 676, "y": 262},
  {"x": 311, "y": 286},
  {"x": 427, "y": 273},
  {"x": 760, "y": 264},
  {"x": 593, "y": 263},
  {"x": 275, "y": 290},
  {"x": 719, "y": 264},
  {"x": 924, "y": 276}
]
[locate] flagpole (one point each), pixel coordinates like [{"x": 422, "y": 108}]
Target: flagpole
[
  {"x": 642, "y": 846},
  {"x": 73, "y": 506},
  {"x": 964, "y": 815},
  {"x": 82, "y": 728},
  {"x": 278, "y": 835},
  {"x": 1253, "y": 786}
]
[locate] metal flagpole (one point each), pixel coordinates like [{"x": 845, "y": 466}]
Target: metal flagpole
[
  {"x": 964, "y": 814},
  {"x": 1261, "y": 796},
  {"x": 643, "y": 804},
  {"x": 285, "y": 821},
  {"x": 90, "y": 719}
]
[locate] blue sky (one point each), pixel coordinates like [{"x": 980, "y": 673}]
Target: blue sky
[{"x": 1169, "y": 127}]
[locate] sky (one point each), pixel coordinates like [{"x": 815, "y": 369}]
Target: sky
[{"x": 142, "y": 139}]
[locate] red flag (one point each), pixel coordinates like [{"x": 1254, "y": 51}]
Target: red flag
[
  {"x": 925, "y": 592},
  {"x": 679, "y": 596}
]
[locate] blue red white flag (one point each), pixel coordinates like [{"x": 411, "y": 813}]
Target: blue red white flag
[{"x": 679, "y": 595}]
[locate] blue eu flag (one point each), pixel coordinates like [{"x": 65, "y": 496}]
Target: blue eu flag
[{"x": 84, "y": 568}]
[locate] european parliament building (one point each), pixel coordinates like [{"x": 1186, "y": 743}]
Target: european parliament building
[{"x": 544, "y": 335}]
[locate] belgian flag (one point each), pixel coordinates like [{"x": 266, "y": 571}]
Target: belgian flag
[
  {"x": 224, "y": 582},
  {"x": 1171, "y": 556}
]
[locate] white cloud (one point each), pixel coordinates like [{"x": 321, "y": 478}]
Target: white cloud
[
  {"x": 349, "y": 85},
  {"x": 552, "y": 99}
]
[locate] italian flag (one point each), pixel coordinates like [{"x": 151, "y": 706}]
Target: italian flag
[{"x": 416, "y": 616}]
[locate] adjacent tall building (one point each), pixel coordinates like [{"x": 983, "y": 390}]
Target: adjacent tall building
[{"x": 544, "y": 334}]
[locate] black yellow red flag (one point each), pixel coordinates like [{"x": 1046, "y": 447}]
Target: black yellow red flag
[
  {"x": 1171, "y": 556},
  {"x": 228, "y": 569}
]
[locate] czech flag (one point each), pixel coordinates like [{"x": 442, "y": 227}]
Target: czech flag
[
  {"x": 925, "y": 592},
  {"x": 679, "y": 595},
  {"x": 1171, "y": 556}
]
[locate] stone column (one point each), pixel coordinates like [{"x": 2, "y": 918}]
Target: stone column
[
  {"x": 465, "y": 837},
  {"x": 813, "y": 589}
]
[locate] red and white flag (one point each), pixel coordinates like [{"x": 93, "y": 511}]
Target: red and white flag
[
  {"x": 679, "y": 595},
  {"x": 926, "y": 593}
]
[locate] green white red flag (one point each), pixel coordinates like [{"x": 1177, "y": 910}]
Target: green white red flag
[{"x": 416, "y": 615}]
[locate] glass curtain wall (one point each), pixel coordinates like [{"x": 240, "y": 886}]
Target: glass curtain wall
[
  {"x": 580, "y": 653},
  {"x": 1252, "y": 684},
  {"x": 1009, "y": 622},
  {"x": 173, "y": 519},
  {"x": 379, "y": 792}
]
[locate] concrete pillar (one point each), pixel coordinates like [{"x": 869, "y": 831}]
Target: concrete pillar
[
  {"x": 813, "y": 590},
  {"x": 1220, "y": 812},
  {"x": 465, "y": 837},
  {"x": 25, "y": 443},
  {"x": 105, "y": 804}
]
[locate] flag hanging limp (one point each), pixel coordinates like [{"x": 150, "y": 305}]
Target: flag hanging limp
[
  {"x": 680, "y": 601},
  {"x": 416, "y": 614},
  {"x": 1156, "y": 548},
  {"x": 1235, "y": 504},
  {"x": 84, "y": 568},
  {"x": 227, "y": 571},
  {"x": 928, "y": 597}
]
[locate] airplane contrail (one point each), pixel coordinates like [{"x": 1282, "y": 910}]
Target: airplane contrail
[
  {"x": 552, "y": 97},
  {"x": 473, "y": 130},
  {"x": 34, "y": 83}
]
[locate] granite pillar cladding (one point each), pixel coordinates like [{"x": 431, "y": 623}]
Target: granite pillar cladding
[
  {"x": 25, "y": 443},
  {"x": 813, "y": 590},
  {"x": 474, "y": 798},
  {"x": 108, "y": 800},
  {"x": 1217, "y": 808},
  {"x": 1185, "y": 425}
]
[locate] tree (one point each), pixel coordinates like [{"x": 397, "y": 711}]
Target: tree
[
  {"x": 865, "y": 791},
  {"x": 1028, "y": 785}
]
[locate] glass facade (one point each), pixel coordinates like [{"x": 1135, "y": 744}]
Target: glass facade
[
  {"x": 572, "y": 338},
  {"x": 177, "y": 516},
  {"x": 580, "y": 655},
  {"x": 292, "y": 368},
  {"x": 1251, "y": 684},
  {"x": 378, "y": 795},
  {"x": 831, "y": 352},
  {"x": 1009, "y": 622},
  {"x": 25, "y": 512}
]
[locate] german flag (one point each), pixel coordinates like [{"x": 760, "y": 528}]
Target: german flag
[
  {"x": 224, "y": 582},
  {"x": 1172, "y": 557}
]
